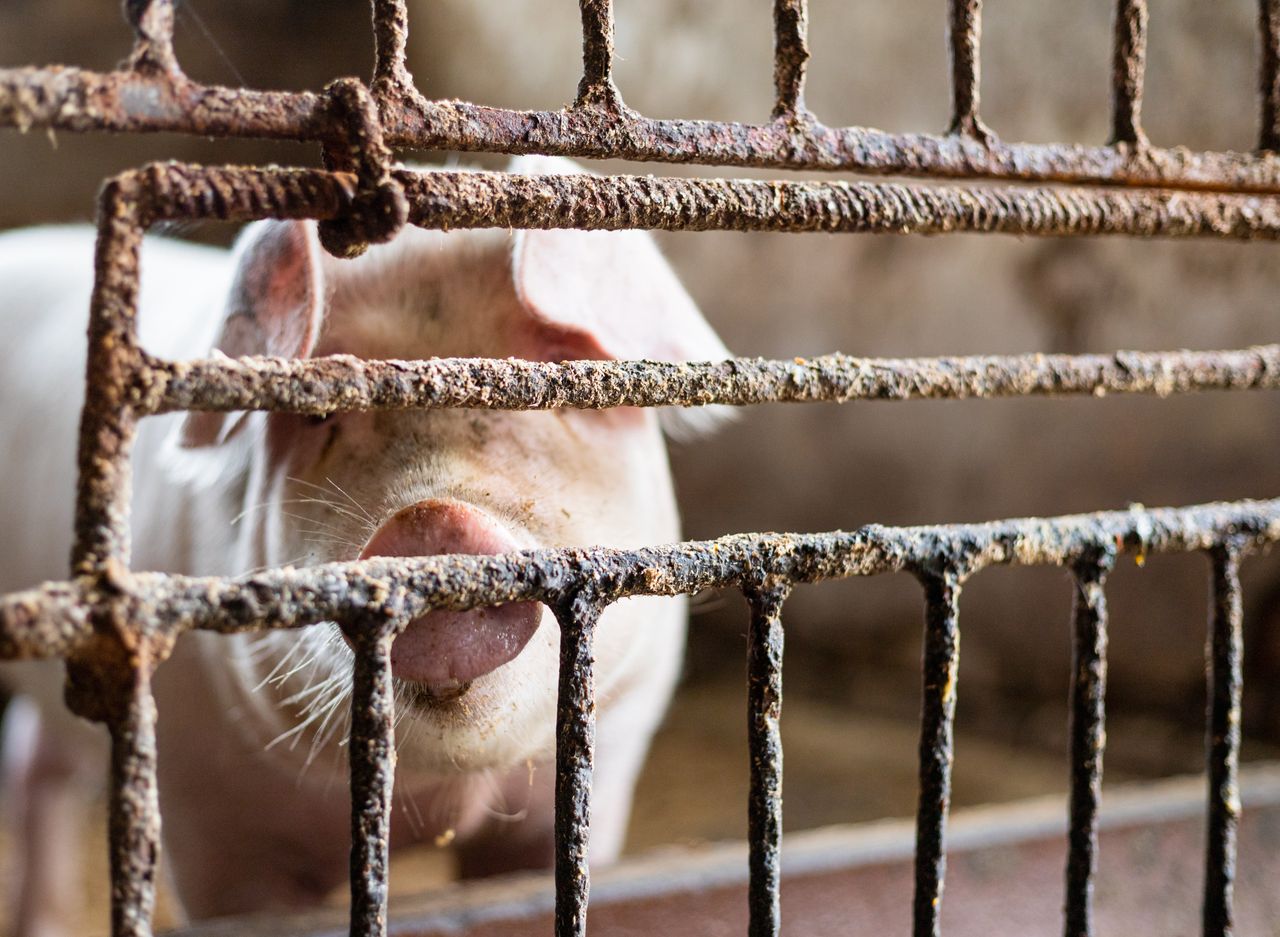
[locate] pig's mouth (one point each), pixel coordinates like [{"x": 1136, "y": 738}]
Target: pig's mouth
[{"x": 443, "y": 652}]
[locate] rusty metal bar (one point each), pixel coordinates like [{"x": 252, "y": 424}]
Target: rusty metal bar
[
  {"x": 461, "y": 199},
  {"x": 107, "y": 423},
  {"x": 1269, "y": 74},
  {"x": 372, "y": 753},
  {"x": 152, "y": 22},
  {"x": 964, "y": 34},
  {"x": 326, "y": 385},
  {"x": 1088, "y": 736},
  {"x": 83, "y": 101},
  {"x": 134, "y": 813},
  {"x": 791, "y": 56},
  {"x": 48, "y": 621},
  {"x": 764, "y": 741},
  {"x": 575, "y": 754},
  {"x": 597, "y": 86},
  {"x": 1129, "y": 65},
  {"x": 937, "y": 744},
  {"x": 390, "y": 43},
  {"x": 1226, "y": 677}
]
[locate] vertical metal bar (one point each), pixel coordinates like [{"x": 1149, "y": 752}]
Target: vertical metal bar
[
  {"x": 964, "y": 33},
  {"x": 1226, "y": 676},
  {"x": 791, "y": 55},
  {"x": 575, "y": 752},
  {"x": 152, "y": 22},
  {"x": 1087, "y": 729},
  {"x": 390, "y": 43},
  {"x": 373, "y": 756},
  {"x": 597, "y": 85},
  {"x": 1129, "y": 66},
  {"x": 937, "y": 742},
  {"x": 764, "y": 740},
  {"x": 107, "y": 424},
  {"x": 134, "y": 817},
  {"x": 1269, "y": 74}
]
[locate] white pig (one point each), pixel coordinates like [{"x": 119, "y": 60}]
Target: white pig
[{"x": 252, "y": 775}]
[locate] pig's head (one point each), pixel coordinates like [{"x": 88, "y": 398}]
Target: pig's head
[{"x": 479, "y": 686}]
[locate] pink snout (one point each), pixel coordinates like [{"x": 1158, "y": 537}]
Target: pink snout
[{"x": 446, "y": 650}]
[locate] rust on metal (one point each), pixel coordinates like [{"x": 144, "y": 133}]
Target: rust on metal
[
  {"x": 114, "y": 626},
  {"x": 1226, "y": 678},
  {"x": 941, "y": 670},
  {"x": 764, "y": 744},
  {"x": 1129, "y": 65},
  {"x": 1087, "y": 727}
]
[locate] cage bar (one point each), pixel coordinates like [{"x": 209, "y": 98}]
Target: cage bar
[
  {"x": 83, "y": 101},
  {"x": 964, "y": 34},
  {"x": 372, "y": 753},
  {"x": 1129, "y": 64},
  {"x": 575, "y": 753},
  {"x": 1087, "y": 727},
  {"x": 1226, "y": 679},
  {"x": 391, "y": 45},
  {"x": 764, "y": 741},
  {"x": 326, "y": 385},
  {"x": 791, "y": 56},
  {"x": 1269, "y": 74},
  {"x": 597, "y": 85},
  {"x": 941, "y": 662}
]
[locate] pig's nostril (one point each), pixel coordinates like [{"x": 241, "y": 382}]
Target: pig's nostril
[{"x": 444, "y": 650}]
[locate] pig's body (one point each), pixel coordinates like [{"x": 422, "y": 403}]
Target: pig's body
[{"x": 252, "y": 773}]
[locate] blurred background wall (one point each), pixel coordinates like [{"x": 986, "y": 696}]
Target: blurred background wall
[{"x": 819, "y": 467}]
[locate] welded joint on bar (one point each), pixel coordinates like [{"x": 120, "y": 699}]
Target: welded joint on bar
[{"x": 379, "y": 210}]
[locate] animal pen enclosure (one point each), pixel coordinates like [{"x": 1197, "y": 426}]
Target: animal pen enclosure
[{"x": 114, "y": 626}]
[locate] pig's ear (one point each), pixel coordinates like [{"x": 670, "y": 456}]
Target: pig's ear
[
  {"x": 274, "y": 308},
  {"x": 610, "y": 294}
]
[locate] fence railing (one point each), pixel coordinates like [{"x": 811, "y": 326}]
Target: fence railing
[{"x": 114, "y": 626}]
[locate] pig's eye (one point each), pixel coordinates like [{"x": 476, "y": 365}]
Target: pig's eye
[{"x": 320, "y": 419}]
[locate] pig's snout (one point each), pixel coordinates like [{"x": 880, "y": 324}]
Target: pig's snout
[{"x": 445, "y": 650}]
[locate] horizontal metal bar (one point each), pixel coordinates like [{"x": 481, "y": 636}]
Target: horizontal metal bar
[
  {"x": 326, "y": 385},
  {"x": 503, "y": 200},
  {"x": 77, "y": 100},
  {"x": 46, "y": 622}
]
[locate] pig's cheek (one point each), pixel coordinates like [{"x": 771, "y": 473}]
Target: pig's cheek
[{"x": 297, "y": 443}]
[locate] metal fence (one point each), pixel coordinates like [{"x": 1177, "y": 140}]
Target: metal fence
[{"x": 114, "y": 626}]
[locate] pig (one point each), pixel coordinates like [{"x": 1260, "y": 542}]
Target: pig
[{"x": 251, "y": 765}]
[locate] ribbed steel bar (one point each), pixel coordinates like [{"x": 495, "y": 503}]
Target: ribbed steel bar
[
  {"x": 575, "y": 755},
  {"x": 764, "y": 742},
  {"x": 326, "y": 385},
  {"x": 790, "y": 56},
  {"x": 77, "y": 100},
  {"x": 372, "y": 755},
  {"x": 1087, "y": 727},
  {"x": 1128, "y": 70},
  {"x": 1226, "y": 677},
  {"x": 964, "y": 36},
  {"x": 49, "y": 621},
  {"x": 937, "y": 745},
  {"x": 461, "y": 199}
]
